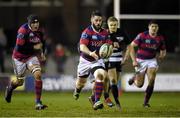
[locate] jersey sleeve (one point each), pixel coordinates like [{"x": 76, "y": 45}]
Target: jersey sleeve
[
  {"x": 21, "y": 44},
  {"x": 137, "y": 40},
  {"x": 85, "y": 36},
  {"x": 21, "y": 36}
]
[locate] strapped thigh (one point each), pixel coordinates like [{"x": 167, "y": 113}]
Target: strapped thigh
[
  {"x": 34, "y": 68},
  {"x": 33, "y": 64}
]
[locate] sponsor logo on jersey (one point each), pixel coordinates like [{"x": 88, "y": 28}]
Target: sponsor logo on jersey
[
  {"x": 120, "y": 38},
  {"x": 94, "y": 37},
  {"x": 35, "y": 40}
]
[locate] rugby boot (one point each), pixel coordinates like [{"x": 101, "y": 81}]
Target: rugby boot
[
  {"x": 146, "y": 105},
  {"x": 91, "y": 100},
  {"x": 8, "y": 94},
  {"x": 76, "y": 95},
  {"x": 131, "y": 80},
  {"x": 108, "y": 102},
  {"x": 98, "y": 105},
  {"x": 40, "y": 106}
]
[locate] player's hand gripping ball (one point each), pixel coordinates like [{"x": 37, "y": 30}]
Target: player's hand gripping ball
[{"x": 105, "y": 51}]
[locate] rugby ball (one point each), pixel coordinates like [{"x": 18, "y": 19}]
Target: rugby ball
[{"x": 105, "y": 50}]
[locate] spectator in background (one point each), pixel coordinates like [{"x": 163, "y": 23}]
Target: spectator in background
[
  {"x": 3, "y": 43},
  {"x": 60, "y": 57}
]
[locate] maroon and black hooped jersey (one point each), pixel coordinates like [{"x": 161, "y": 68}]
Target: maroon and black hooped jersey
[
  {"x": 148, "y": 46},
  {"x": 93, "y": 40},
  {"x": 25, "y": 41}
]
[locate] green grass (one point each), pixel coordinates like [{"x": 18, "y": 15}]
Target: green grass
[{"x": 61, "y": 104}]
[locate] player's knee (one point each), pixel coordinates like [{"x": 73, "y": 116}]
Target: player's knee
[
  {"x": 81, "y": 82},
  {"x": 100, "y": 77},
  {"x": 20, "y": 81},
  {"x": 36, "y": 71},
  {"x": 139, "y": 84},
  {"x": 37, "y": 75},
  {"x": 113, "y": 81}
]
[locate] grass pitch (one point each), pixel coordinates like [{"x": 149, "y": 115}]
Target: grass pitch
[{"x": 62, "y": 104}]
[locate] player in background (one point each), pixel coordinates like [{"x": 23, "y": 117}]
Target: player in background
[
  {"x": 90, "y": 42},
  {"x": 151, "y": 50},
  {"x": 116, "y": 60},
  {"x": 27, "y": 53}
]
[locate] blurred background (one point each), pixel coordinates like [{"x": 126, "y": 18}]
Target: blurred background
[{"x": 64, "y": 20}]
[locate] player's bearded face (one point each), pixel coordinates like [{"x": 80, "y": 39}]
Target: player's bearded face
[
  {"x": 34, "y": 26},
  {"x": 112, "y": 25},
  {"x": 96, "y": 22},
  {"x": 153, "y": 29}
]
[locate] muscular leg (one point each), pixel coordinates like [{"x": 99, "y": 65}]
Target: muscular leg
[
  {"x": 113, "y": 75},
  {"x": 139, "y": 79},
  {"x": 18, "y": 82},
  {"x": 36, "y": 71},
  {"x": 13, "y": 85},
  {"x": 80, "y": 83},
  {"x": 151, "y": 73},
  {"x": 19, "y": 69},
  {"x": 99, "y": 75},
  {"x": 106, "y": 88}
]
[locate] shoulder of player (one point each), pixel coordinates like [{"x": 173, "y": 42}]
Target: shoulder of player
[
  {"x": 143, "y": 34},
  {"x": 23, "y": 29},
  {"x": 87, "y": 30}
]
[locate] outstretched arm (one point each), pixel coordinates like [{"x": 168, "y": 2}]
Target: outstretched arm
[
  {"x": 85, "y": 49},
  {"x": 127, "y": 54},
  {"x": 162, "y": 54},
  {"x": 132, "y": 53}
]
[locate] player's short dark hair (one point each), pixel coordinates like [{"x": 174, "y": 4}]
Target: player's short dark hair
[
  {"x": 153, "y": 22},
  {"x": 32, "y": 18},
  {"x": 96, "y": 13}
]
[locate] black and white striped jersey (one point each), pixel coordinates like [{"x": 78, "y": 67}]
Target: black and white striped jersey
[{"x": 123, "y": 40}]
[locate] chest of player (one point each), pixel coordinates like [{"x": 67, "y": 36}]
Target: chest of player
[
  {"x": 97, "y": 39},
  {"x": 121, "y": 39},
  {"x": 151, "y": 43},
  {"x": 33, "y": 38},
  {"x": 117, "y": 38}
]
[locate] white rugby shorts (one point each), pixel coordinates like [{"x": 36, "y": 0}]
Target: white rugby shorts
[
  {"x": 145, "y": 64},
  {"x": 21, "y": 67},
  {"x": 85, "y": 66}
]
